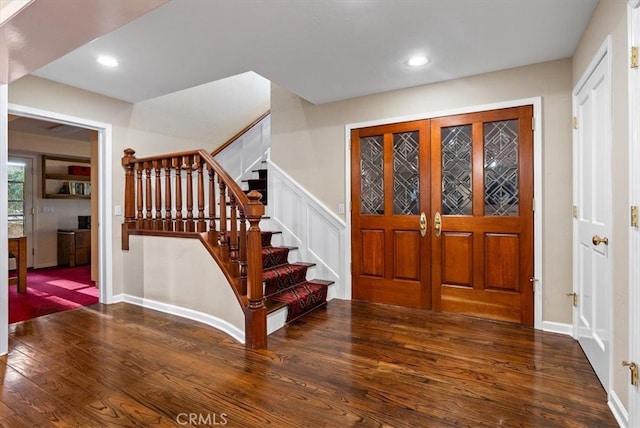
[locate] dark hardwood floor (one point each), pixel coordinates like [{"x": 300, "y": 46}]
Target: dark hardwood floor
[{"x": 352, "y": 364}]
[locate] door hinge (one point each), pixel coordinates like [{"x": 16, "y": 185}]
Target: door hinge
[
  {"x": 634, "y": 57},
  {"x": 575, "y": 298},
  {"x": 533, "y": 281},
  {"x": 634, "y": 216},
  {"x": 533, "y": 123},
  {"x": 33, "y": 211},
  {"x": 533, "y": 204},
  {"x": 575, "y": 211},
  {"x": 633, "y": 367},
  {"x": 575, "y": 122}
]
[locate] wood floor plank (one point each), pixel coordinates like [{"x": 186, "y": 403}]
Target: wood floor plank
[{"x": 350, "y": 364}]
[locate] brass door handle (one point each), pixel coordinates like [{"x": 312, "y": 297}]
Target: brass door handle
[
  {"x": 598, "y": 240},
  {"x": 423, "y": 224},
  {"x": 437, "y": 224}
]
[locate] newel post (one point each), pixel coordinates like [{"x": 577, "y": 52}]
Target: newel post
[
  {"x": 128, "y": 163},
  {"x": 255, "y": 313}
]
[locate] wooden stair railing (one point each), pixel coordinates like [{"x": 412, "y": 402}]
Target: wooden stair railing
[{"x": 159, "y": 200}]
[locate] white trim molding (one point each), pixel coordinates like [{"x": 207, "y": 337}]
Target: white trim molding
[
  {"x": 536, "y": 102},
  {"x": 215, "y": 322},
  {"x": 633, "y": 28},
  {"x": 4, "y": 252},
  {"x": 557, "y": 327},
  {"x": 105, "y": 184}
]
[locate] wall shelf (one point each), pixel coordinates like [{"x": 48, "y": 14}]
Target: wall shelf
[{"x": 57, "y": 183}]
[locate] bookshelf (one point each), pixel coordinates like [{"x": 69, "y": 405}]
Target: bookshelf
[{"x": 66, "y": 177}]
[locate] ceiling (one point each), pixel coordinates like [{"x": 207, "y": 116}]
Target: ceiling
[
  {"x": 48, "y": 129},
  {"x": 322, "y": 50}
]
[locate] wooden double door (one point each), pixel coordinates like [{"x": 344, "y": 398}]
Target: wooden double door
[{"x": 442, "y": 214}]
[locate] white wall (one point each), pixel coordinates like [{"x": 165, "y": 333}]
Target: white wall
[
  {"x": 610, "y": 17},
  {"x": 307, "y": 142}
]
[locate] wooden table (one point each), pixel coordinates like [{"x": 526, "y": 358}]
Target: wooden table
[{"x": 18, "y": 247}]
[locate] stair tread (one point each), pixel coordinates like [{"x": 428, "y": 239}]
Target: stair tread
[
  {"x": 281, "y": 246},
  {"x": 321, "y": 281},
  {"x": 302, "y": 298},
  {"x": 273, "y": 305},
  {"x": 302, "y": 264}
]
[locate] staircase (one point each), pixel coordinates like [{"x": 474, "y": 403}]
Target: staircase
[
  {"x": 190, "y": 195},
  {"x": 285, "y": 283},
  {"x": 258, "y": 184}
]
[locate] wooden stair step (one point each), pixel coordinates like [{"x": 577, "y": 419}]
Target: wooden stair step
[{"x": 302, "y": 298}]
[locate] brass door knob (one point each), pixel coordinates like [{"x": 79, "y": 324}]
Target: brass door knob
[
  {"x": 598, "y": 240},
  {"x": 423, "y": 224}
]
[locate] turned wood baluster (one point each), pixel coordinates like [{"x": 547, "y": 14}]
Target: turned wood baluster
[
  {"x": 129, "y": 196},
  {"x": 188, "y": 165},
  {"x": 224, "y": 245},
  {"x": 168, "y": 223},
  {"x": 213, "y": 235},
  {"x": 233, "y": 235},
  {"x": 242, "y": 259},
  {"x": 202, "y": 225},
  {"x": 148, "y": 224},
  {"x": 255, "y": 314},
  {"x": 177, "y": 164},
  {"x": 139, "y": 197},
  {"x": 158, "y": 199}
]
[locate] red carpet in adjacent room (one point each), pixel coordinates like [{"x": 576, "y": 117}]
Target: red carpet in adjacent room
[{"x": 52, "y": 290}]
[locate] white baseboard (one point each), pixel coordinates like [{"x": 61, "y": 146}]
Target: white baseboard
[
  {"x": 618, "y": 410},
  {"x": 212, "y": 321},
  {"x": 557, "y": 327}
]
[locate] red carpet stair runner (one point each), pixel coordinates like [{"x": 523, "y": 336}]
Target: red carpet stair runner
[{"x": 286, "y": 282}]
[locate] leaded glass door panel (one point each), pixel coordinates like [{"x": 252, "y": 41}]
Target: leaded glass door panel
[
  {"x": 390, "y": 193},
  {"x": 482, "y": 178}
]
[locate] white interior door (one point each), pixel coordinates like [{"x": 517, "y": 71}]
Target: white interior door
[{"x": 592, "y": 224}]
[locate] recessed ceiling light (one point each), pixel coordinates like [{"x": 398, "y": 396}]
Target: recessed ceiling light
[
  {"x": 417, "y": 61},
  {"x": 108, "y": 61}
]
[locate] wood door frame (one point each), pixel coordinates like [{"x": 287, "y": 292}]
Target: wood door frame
[
  {"x": 536, "y": 102},
  {"x": 633, "y": 28}
]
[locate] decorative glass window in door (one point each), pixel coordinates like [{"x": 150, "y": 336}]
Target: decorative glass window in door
[
  {"x": 501, "y": 197},
  {"x": 406, "y": 174},
  {"x": 372, "y": 175},
  {"x": 456, "y": 170}
]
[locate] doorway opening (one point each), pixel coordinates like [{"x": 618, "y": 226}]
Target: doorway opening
[{"x": 63, "y": 273}]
